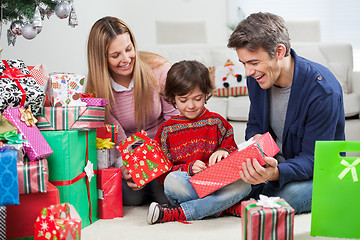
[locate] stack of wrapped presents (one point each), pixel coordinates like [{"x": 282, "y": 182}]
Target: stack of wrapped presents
[{"x": 50, "y": 135}]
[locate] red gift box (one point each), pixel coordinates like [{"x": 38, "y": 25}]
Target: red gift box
[
  {"x": 228, "y": 170},
  {"x": 146, "y": 162},
  {"x": 110, "y": 193},
  {"x": 20, "y": 219},
  {"x": 108, "y": 131},
  {"x": 58, "y": 222},
  {"x": 268, "y": 218}
]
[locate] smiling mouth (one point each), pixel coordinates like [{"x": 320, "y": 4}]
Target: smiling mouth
[
  {"x": 127, "y": 65},
  {"x": 259, "y": 78}
]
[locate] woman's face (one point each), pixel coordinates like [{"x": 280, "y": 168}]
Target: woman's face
[{"x": 121, "y": 56}]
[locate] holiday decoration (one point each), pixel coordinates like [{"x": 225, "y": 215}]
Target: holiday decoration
[
  {"x": 18, "y": 88},
  {"x": 18, "y": 12},
  {"x": 70, "y": 118},
  {"x": 20, "y": 219},
  {"x": 73, "y": 22},
  {"x": 70, "y": 170},
  {"x": 28, "y": 31},
  {"x": 267, "y": 218},
  {"x": 227, "y": 170},
  {"x": 110, "y": 193},
  {"x": 37, "y": 19},
  {"x": 36, "y": 147},
  {"x": 9, "y": 190},
  {"x": 62, "y": 10},
  {"x": 58, "y": 222},
  {"x": 33, "y": 176},
  {"x": 146, "y": 162}
]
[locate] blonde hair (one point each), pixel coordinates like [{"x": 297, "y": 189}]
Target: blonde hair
[{"x": 98, "y": 79}]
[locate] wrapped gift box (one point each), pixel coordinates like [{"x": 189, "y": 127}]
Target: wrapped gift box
[
  {"x": 35, "y": 147},
  {"x": 146, "y": 162},
  {"x": 70, "y": 118},
  {"x": 2, "y": 222},
  {"x": 18, "y": 87},
  {"x": 33, "y": 176},
  {"x": 227, "y": 170},
  {"x": 66, "y": 89},
  {"x": 336, "y": 187},
  {"x": 9, "y": 190},
  {"x": 108, "y": 131},
  {"x": 20, "y": 219},
  {"x": 62, "y": 222},
  {"x": 96, "y": 102},
  {"x": 110, "y": 193},
  {"x": 73, "y": 160},
  {"x": 5, "y": 126},
  {"x": 268, "y": 218}
]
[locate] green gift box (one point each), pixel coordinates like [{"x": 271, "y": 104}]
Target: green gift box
[
  {"x": 74, "y": 153},
  {"x": 336, "y": 189}
]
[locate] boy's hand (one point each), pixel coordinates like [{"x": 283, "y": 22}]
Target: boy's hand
[
  {"x": 217, "y": 156},
  {"x": 198, "y": 166}
]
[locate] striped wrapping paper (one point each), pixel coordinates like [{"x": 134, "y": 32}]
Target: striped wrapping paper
[
  {"x": 267, "y": 223},
  {"x": 70, "y": 118},
  {"x": 33, "y": 176},
  {"x": 231, "y": 91}
]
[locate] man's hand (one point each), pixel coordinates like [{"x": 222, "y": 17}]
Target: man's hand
[
  {"x": 217, "y": 156},
  {"x": 127, "y": 177},
  {"x": 254, "y": 173},
  {"x": 198, "y": 166}
]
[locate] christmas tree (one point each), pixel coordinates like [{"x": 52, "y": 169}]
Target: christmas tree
[
  {"x": 151, "y": 164},
  {"x": 24, "y": 9}
]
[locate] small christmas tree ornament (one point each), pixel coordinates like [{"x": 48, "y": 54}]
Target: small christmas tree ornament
[
  {"x": 62, "y": 10},
  {"x": 37, "y": 19},
  {"x": 28, "y": 31},
  {"x": 16, "y": 26},
  {"x": 73, "y": 22},
  {"x": 11, "y": 37}
]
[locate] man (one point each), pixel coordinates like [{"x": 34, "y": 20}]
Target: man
[{"x": 296, "y": 100}]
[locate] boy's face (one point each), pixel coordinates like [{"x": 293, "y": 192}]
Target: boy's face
[
  {"x": 191, "y": 104},
  {"x": 260, "y": 65}
]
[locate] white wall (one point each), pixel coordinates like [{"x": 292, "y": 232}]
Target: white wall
[{"x": 63, "y": 48}]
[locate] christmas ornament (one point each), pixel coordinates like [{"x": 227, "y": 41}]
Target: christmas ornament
[
  {"x": 28, "y": 31},
  {"x": 37, "y": 19},
  {"x": 62, "y": 10},
  {"x": 11, "y": 37},
  {"x": 16, "y": 26},
  {"x": 73, "y": 22}
]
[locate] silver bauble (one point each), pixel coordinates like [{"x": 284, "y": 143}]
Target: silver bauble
[
  {"x": 28, "y": 31},
  {"x": 11, "y": 37},
  {"x": 62, "y": 10},
  {"x": 16, "y": 26}
]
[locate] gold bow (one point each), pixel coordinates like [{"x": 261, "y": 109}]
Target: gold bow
[
  {"x": 27, "y": 117},
  {"x": 104, "y": 143}
]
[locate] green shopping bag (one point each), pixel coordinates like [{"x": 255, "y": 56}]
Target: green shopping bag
[{"x": 336, "y": 191}]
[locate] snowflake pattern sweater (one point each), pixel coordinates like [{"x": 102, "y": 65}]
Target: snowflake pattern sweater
[{"x": 185, "y": 140}]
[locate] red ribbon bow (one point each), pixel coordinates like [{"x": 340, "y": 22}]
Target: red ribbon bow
[{"x": 15, "y": 74}]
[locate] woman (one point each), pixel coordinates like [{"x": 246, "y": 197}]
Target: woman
[{"x": 131, "y": 81}]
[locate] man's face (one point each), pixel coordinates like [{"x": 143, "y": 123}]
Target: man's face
[{"x": 260, "y": 66}]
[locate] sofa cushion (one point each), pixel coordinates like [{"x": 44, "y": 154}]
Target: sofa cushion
[{"x": 238, "y": 108}]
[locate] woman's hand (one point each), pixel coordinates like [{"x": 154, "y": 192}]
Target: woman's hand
[
  {"x": 198, "y": 166},
  {"x": 128, "y": 179},
  {"x": 217, "y": 156}
]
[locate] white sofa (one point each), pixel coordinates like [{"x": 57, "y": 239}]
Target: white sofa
[{"x": 338, "y": 57}]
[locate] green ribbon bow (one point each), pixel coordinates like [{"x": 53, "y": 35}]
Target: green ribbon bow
[{"x": 17, "y": 139}]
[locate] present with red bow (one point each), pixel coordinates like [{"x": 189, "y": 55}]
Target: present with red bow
[
  {"x": 58, "y": 222},
  {"x": 73, "y": 169},
  {"x": 36, "y": 146},
  {"x": 146, "y": 162},
  {"x": 228, "y": 170},
  {"x": 18, "y": 87}
]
